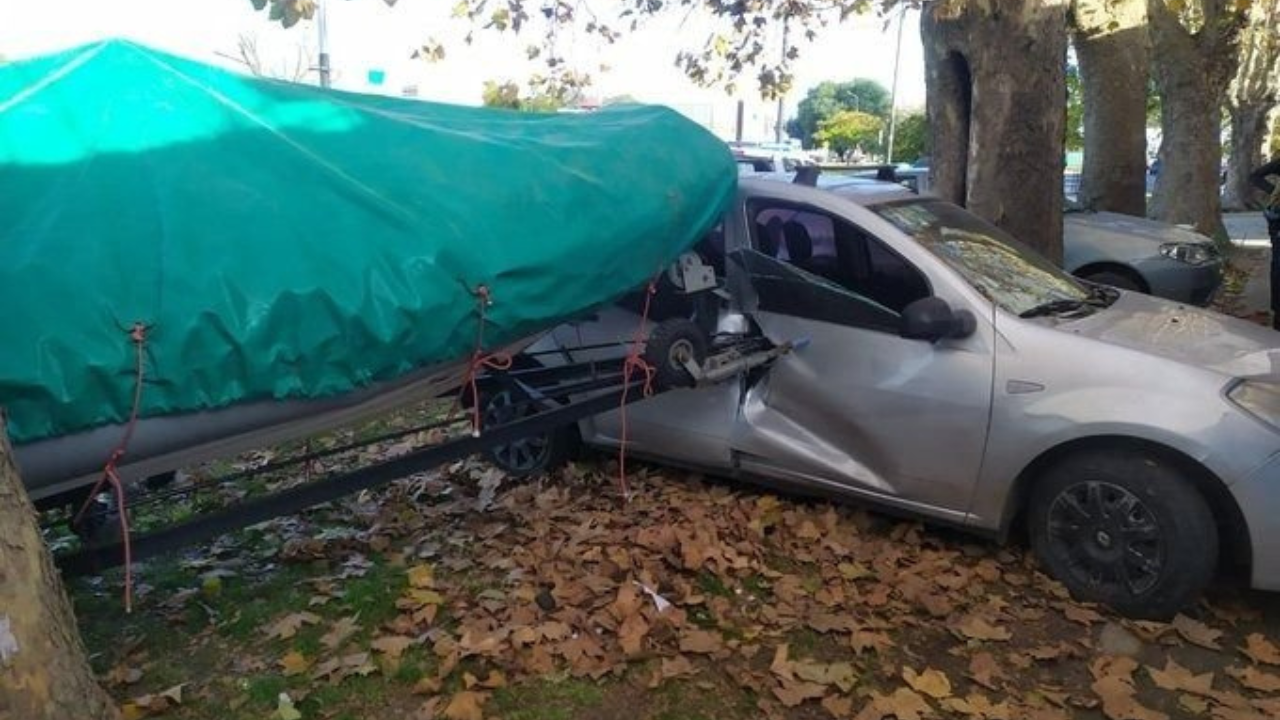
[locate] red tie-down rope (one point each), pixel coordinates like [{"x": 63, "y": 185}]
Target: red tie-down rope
[
  {"x": 138, "y": 336},
  {"x": 480, "y": 360},
  {"x": 635, "y": 361}
]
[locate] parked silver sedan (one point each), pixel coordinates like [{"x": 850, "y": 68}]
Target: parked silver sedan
[
  {"x": 941, "y": 368},
  {"x": 1123, "y": 251}
]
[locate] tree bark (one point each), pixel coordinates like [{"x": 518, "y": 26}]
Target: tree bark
[
  {"x": 1192, "y": 69},
  {"x": 998, "y": 123},
  {"x": 1253, "y": 94},
  {"x": 44, "y": 674},
  {"x": 1111, "y": 46},
  {"x": 1248, "y": 132}
]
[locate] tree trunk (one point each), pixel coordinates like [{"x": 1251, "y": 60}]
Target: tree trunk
[
  {"x": 1111, "y": 45},
  {"x": 1252, "y": 95},
  {"x": 44, "y": 674},
  {"x": 1192, "y": 69},
  {"x": 998, "y": 124},
  {"x": 1248, "y": 132}
]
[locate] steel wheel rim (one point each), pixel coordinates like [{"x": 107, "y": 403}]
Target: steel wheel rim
[
  {"x": 1109, "y": 539},
  {"x": 521, "y": 455},
  {"x": 681, "y": 350}
]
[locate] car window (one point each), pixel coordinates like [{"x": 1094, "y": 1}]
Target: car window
[{"x": 817, "y": 265}]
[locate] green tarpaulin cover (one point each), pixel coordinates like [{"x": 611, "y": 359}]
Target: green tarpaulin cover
[{"x": 285, "y": 241}]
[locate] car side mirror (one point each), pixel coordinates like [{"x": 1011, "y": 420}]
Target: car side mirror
[{"x": 932, "y": 319}]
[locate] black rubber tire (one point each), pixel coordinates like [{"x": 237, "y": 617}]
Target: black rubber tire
[
  {"x": 1115, "y": 279},
  {"x": 1171, "y": 522},
  {"x": 532, "y": 455},
  {"x": 670, "y": 341}
]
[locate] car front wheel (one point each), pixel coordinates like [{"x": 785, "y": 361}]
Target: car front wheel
[{"x": 1125, "y": 529}]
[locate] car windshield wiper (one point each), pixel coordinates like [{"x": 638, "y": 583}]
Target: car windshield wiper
[{"x": 1054, "y": 307}]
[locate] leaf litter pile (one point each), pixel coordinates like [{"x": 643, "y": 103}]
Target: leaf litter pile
[{"x": 465, "y": 595}]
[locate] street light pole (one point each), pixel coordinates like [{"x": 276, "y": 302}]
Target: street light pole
[
  {"x": 777, "y": 128},
  {"x": 893, "y": 92},
  {"x": 322, "y": 29}
]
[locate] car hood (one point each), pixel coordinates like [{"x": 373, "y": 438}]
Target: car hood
[
  {"x": 1125, "y": 235},
  {"x": 1184, "y": 334}
]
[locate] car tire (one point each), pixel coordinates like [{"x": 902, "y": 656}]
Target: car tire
[
  {"x": 1114, "y": 279},
  {"x": 532, "y": 455},
  {"x": 669, "y": 344},
  {"x": 1125, "y": 529}
]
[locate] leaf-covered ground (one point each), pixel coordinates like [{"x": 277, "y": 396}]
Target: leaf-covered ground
[
  {"x": 461, "y": 594},
  {"x": 446, "y": 596}
]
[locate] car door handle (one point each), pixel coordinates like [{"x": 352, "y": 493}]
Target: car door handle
[{"x": 1022, "y": 387}]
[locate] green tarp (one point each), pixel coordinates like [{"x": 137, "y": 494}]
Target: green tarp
[{"x": 285, "y": 241}]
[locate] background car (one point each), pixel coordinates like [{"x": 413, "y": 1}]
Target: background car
[{"x": 1124, "y": 251}]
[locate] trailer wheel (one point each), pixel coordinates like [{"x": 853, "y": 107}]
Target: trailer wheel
[
  {"x": 671, "y": 343},
  {"x": 531, "y": 455}
]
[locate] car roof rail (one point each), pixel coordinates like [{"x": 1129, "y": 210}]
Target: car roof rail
[{"x": 807, "y": 175}]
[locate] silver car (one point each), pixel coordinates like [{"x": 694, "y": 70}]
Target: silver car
[
  {"x": 1124, "y": 251},
  {"x": 1134, "y": 253},
  {"x": 940, "y": 368}
]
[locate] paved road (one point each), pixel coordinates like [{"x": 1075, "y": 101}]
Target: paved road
[{"x": 1248, "y": 232}]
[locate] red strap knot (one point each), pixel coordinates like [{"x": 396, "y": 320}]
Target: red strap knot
[
  {"x": 110, "y": 478},
  {"x": 635, "y": 361}
]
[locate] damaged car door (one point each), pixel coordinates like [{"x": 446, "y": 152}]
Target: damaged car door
[{"x": 857, "y": 408}]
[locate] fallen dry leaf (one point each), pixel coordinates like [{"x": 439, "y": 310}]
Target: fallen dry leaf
[
  {"x": 903, "y": 704},
  {"x": 840, "y": 674},
  {"x": 1255, "y": 679},
  {"x": 933, "y": 683},
  {"x": 287, "y": 626},
  {"x": 975, "y": 627},
  {"x": 876, "y": 642},
  {"x": 466, "y": 705},
  {"x": 1081, "y": 614},
  {"x": 1177, "y": 678},
  {"x": 1197, "y": 633},
  {"x": 1119, "y": 701},
  {"x": 781, "y": 666},
  {"x": 1194, "y": 704},
  {"x": 839, "y": 707},
  {"x": 631, "y": 634},
  {"x": 979, "y": 706},
  {"x": 674, "y": 667},
  {"x": 338, "y": 634},
  {"x": 793, "y": 692},
  {"x": 983, "y": 669},
  {"x": 294, "y": 663},
  {"x": 1261, "y": 650},
  {"x": 702, "y": 642},
  {"x": 421, "y": 576},
  {"x": 392, "y": 646}
]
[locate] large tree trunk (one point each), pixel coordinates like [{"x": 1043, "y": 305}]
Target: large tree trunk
[
  {"x": 1192, "y": 68},
  {"x": 1253, "y": 94},
  {"x": 43, "y": 671},
  {"x": 997, "y": 123},
  {"x": 1248, "y": 132},
  {"x": 1111, "y": 45}
]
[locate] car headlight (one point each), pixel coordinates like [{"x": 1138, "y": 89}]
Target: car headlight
[
  {"x": 1191, "y": 253},
  {"x": 1259, "y": 399}
]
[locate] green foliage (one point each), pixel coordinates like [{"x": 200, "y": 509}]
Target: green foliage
[
  {"x": 508, "y": 95},
  {"x": 911, "y": 137},
  {"x": 849, "y": 129},
  {"x": 1075, "y": 110},
  {"x": 829, "y": 98}
]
